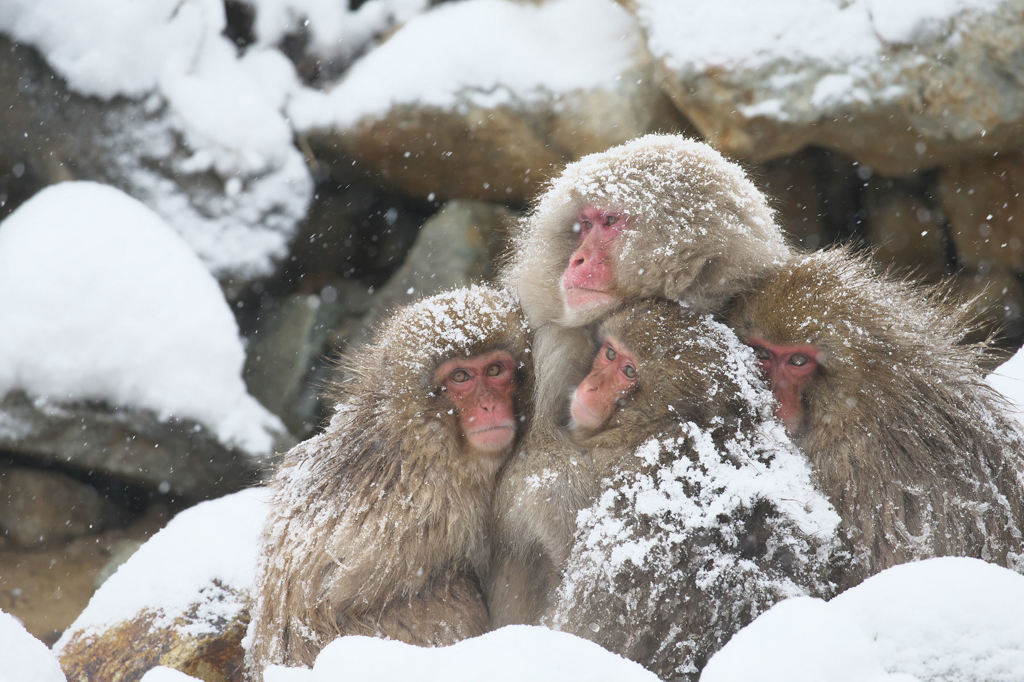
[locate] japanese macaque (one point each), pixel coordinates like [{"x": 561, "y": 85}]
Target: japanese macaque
[
  {"x": 701, "y": 512},
  {"x": 913, "y": 448},
  {"x": 378, "y": 526},
  {"x": 661, "y": 216}
]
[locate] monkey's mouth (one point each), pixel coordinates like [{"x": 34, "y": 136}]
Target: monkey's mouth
[
  {"x": 583, "y": 416},
  {"x": 492, "y": 437},
  {"x": 582, "y": 297}
]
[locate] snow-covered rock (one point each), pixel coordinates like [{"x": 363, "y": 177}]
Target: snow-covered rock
[
  {"x": 511, "y": 654},
  {"x": 899, "y": 86},
  {"x": 179, "y": 601},
  {"x": 953, "y": 619},
  {"x": 101, "y": 301},
  {"x": 201, "y": 138},
  {"x": 450, "y": 108}
]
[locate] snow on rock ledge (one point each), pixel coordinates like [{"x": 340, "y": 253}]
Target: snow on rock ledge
[
  {"x": 953, "y": 619},
  {"x": 452, "y": 107},
  {"x": 179, "y": 601},
  {"x": 899, "y": 86},
  {"x": 101, "y": 301}
]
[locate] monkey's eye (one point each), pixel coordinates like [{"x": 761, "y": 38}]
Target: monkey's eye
[
  {"x": 609, "y": 352},
  {"x": 586, "y": 225},
  {"x": 762, "y": 353},
  {"x": 494, "y": 370},
  {"x": 798, "y": 359},
  {"x": 611, "y": 220},
  {"x": 629, "y": 371},
  {"x": 460, "y": 375}
]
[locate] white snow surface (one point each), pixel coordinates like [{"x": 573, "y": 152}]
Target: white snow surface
[
  {"x": 23, "y": 658},
  {"x": 511, "y": 654},
  {"x": 699, "y": 34},
  {"x": 489, "y": 52},
  {"x": 1008, "y": 379},
  {"x": 101, "y": 300},
  {"x": 164, "y": 674},
  {"x": 952, "y": 619},
  {"x": 204, "y": 556}
]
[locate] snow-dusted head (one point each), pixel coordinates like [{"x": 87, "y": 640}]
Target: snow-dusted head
[
  {"x": 658, "y": 364},
  {"x": 462, "y": 355},
  {"x": 660, "y": 216}
]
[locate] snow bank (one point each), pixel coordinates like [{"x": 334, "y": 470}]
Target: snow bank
[
  {"x": 453, "y": 51},
  {"x": 510, "y": 654},
  {"x": 25, "y": 657},
  {"x": 101, "y": 300},
  {"x": 212, "y": 542},
  {"x": 953, "y": 619},
  {"x": 702, "y": 34}
]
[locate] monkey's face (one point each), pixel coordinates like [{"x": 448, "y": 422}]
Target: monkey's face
[
  {"x": 482, "y": 390},
  {"x": 789, "y": 369},
  {"x": 613, "y": 376},
  {"x": 588, "y": 282}
]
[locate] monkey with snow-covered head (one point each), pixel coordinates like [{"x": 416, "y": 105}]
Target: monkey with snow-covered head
[{"x": 378, "y": 526}]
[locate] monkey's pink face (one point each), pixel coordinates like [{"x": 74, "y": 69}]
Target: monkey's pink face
[
  {"x": 482, "y": 389},
  {"x": 789, "y": 369},
  {"x": 588, "y": 283},
  {"x": 613, "y": 376}
]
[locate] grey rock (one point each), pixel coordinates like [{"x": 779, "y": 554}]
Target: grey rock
[
  {"x": 898, "y": 98},
  {"x": 39, "y": 507},
  {"x": 174, "y": 457}
]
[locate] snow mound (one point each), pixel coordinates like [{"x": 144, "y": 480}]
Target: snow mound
[
  {"x": 510, "y": 654},
  {"x": 444, "y": 55},
  {"x": 211, "y": 544},
  {"x": 953, "y": 619},
  {"x": 165, "y": 674},
  {"x": 101, "y": 300},
  {"x": 25, "y": 657}
]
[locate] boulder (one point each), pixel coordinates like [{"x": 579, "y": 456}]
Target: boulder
[
  {"x": 906, "y": 229},
  {"x": 39, "y": 506},
  {"x": 899, "y": 89},
  {"x": 443, "y": 110}
]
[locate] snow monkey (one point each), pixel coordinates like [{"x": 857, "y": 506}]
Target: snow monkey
[
  {"x": 661, "y": 216},
  {"x": 912, "y": 447},
  {"x": 702, "y": 513},
  {"x": 378, "y": 526}
]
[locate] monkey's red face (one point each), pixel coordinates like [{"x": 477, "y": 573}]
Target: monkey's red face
[
  {"x": 588, "y": 283},
  {"x": 788, "y": 369},
  {"x": 482, "y": 389},
  {"x": 613, "y": 376}
]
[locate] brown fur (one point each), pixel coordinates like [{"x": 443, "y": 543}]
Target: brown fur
[
  {"x": 701, "y": 230},
  {"x": 378, "y": 526},
  {"x": 912, "y": 447},
  {"x": 700, "y": 397}
]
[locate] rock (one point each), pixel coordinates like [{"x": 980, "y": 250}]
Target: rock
[
  {"x": 456, "y": 247},
  {"x": 790, "y": 184},
  {"x": 42, "y": 507},
  {"x": 290, "y": 354},
  {"x": 440, "y": 113},
  {"x": 238, "y": 220},
  {"x": 984, "y": 201},
  {"x": 124, "y": 652},
  {"x": 180, "y": 601},
  {"x": 897, "y": 90},
  {"x": 906, "y": 229},
  {"x": 133, "y": 446}
]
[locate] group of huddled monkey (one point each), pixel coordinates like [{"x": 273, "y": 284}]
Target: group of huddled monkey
[{"x": 665, "y": 422}]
